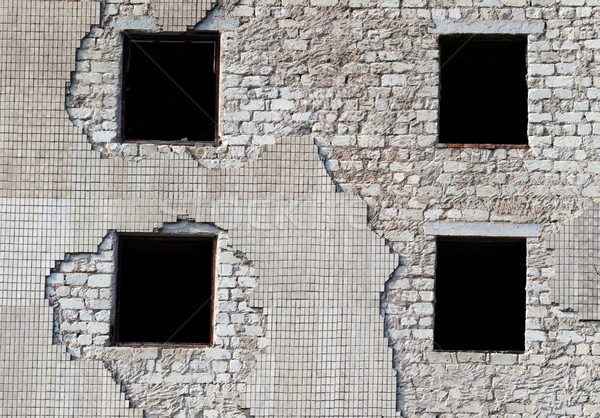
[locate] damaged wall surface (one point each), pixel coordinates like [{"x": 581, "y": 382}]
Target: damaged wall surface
[
  {"x": 306, "y": 243},
  {"x": 327, "y": 188}
]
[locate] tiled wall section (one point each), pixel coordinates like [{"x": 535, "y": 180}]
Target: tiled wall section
[
  {"x": 321, "y": 270},
  {"x": 38, "y": 378},
  {"x": 178, "y": 15},
  {"x": 575, "y": 249}
]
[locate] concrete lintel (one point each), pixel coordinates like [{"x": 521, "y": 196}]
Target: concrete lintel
[
  {"x": 218, "y": 24},
  {"x": 186, "y": 227},
  {"x": 508, "y": 27},
  {"x": 481, "y": 229},
  {"x": 133, "y": 23}
]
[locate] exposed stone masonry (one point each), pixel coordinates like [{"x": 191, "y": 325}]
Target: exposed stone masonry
[
  {"x": 162, "y": 381},
  {"x": 93, "y": 100}
]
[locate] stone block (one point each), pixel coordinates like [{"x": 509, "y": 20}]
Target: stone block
[
  {"x": 469, "y": 357},
  {"x": 133, "y": 23},
  {"x": 98, "y": 327},
  {"x": 76, "y": 279},
  {"x": 71, "y": 303},
  {"x": 440, "y": 357},
  {"x": 146, "y": 353},
  {"x": 503, "y": 358},
  {"x": 55, "y": 279},
  {"x": 324, "y": 3},
  {"x": 535, "y": 336},
  {"x": 393, "y": 80},
  {"x": 253, "y": 330},
  {"x": 100, "y": 280}
]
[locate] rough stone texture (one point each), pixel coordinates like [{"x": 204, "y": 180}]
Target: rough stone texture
[
  {"x": 361, "y": 79},
  {"x": 94, "y": 95}
]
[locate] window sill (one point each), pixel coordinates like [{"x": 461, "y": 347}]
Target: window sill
[
  {"x": 479, "y": 357},
  {"x": 162, "y": 345},
  {"x": 172, "y": 143},
  {"x": 483, "y": 146}
]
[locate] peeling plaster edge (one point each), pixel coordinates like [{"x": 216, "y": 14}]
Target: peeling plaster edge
[{"x": 482, "y": 229}]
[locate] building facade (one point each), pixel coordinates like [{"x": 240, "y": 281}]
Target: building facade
[{"x": 289, "y": 208}]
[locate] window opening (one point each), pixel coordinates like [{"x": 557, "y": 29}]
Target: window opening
[
  {"x": 165, "y": 290},
  {"x": 480, "y": 294},
  {"x": 170, "y": 87},
  {"x": 483, "y": 97}
]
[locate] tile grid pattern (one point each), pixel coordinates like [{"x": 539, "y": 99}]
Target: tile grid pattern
[
  {"x": 38, "y": 379},
  {"x": 321, "y": 270},
  {"x": 176, "y": 15},
  {"x": 576, "y": 247},
  {"x": 322, "y": 293}
]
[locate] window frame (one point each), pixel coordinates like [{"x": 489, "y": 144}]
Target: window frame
[
  {"x": 114, "y": 334},
  {"x": 127, "y": 38}
]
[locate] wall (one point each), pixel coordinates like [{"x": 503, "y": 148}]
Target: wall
[
  {"x": 320, "y": 269},
  {"x": 360, "y": 79}
]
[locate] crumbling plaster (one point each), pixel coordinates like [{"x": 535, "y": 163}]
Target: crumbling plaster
[
  {"x": 321, "y": 269},
  {"x": 361, "y": 78}
]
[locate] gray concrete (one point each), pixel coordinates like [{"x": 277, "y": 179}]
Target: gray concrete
[
  {"x": 512, "y": 27},
  {"x": 133, "y": 23},
  {"x": 481, "y": 229},
  {"x": 187, "y": 227},
  {"x": 218, "y": 24}
]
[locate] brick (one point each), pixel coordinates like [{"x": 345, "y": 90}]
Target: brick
[
  {"x": 98, "y": 327},
  {"x": 100, "y": 280},
  {"x": 76, "y": 279},
  {"x": 55, "y": 279},
  {"x": 503, "y": 359},
  {"x": 71, "y": 303}
]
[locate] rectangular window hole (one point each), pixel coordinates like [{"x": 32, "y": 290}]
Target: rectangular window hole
[
  {"x": 480, "y": 294},
  {"x": 165, "y": 290},
  {"x": 483, "y": 98},
  {"x": 170, "y": 87}
]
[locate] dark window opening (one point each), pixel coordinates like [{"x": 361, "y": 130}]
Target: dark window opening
[
  {"x": 170, "y": 87},
  {"x": 480, "y": 294},
  {"x": 483, "y": 96},
  {"x": 165, "y": 290}
]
